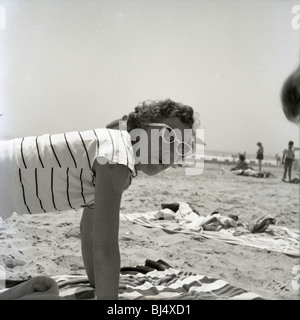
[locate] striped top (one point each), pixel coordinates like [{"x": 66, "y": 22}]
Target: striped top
[
  {"x": 289, "y": 153},
  {"x": 54, "y": 172}
]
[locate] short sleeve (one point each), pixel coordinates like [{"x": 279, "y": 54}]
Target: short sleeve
[{"x": 114, "y": 146}]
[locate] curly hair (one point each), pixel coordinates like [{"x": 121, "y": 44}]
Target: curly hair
[{"x": 153, "y": 110}]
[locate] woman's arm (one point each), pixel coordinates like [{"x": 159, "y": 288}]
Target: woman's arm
[
  {"x": 283, "y": 157},
  {"x": 36, "y": 288},
  {"x": 110, "y": 183},
  {"x": 87, "y": 243}
]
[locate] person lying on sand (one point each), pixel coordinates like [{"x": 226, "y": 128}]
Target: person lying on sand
[
  {"x": 219, "y": 222},
  {"x": 90, "y": 170},
  {"x": 214, "y": 221},
  {"x": 243, "y": 169}
]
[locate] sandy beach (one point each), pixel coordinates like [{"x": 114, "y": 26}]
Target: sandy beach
[{"x": 49, "y": 244}]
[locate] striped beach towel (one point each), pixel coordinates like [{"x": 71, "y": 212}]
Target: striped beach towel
[
  {"x": 169, "y": 284},
  {"x": 276, "y": 238},
  {"x": 156, "y": 280}
]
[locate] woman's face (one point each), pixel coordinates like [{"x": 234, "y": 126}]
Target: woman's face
[{"x": 162, "y": 154}]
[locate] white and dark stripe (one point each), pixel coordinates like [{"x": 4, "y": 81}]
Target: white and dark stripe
[
  {"x": 52, "y": 190},
  {"x": 97, "y": 139},
  {"x": 54, "y": 151},
  {"x": 23, "y": 191},
  {"x": 85, "y": 149},
  {"x": 37, "y": 189},
  {"x": 38, "y": 152},
  {"x": 68, "y": 146},
  {"x": 68, "y": 191},
  {"x": 169, "y": 284},
  {"x": 22, "y": 153},
  {"x": 81, "y": 186},
  {"x": 55, "y": 171}
]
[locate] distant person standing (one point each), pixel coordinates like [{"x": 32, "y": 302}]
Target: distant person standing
[
  {"x": 288, "y": 159},
  {"x": 260, "y": 155},
  {"x": 277, "y": 158}
]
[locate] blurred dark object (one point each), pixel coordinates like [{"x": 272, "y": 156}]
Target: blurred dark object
[{"x": 172, "y": 206}]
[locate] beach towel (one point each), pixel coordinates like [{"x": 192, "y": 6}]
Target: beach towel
[
  {"x": 160, "y": 283},
  {"x": 185, "y": 220}
]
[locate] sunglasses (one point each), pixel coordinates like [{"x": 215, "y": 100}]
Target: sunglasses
[{"x": 169, "y": 136}]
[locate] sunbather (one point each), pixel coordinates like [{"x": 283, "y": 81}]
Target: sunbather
[
  {"x": 243, "y": 169},
  {"x": 242, "y": 164}
]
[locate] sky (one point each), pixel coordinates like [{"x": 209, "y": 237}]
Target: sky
[{"x": 69, "y": 65}]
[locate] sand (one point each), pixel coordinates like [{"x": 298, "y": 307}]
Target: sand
[{"x": 49, "y": 244}]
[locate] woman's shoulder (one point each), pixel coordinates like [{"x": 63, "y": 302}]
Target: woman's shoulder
[
  {"x": 113, "y": 137},
  {"x": 115, "y": 147}
]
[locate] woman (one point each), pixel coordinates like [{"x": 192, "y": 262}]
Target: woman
[
  {"x": 260, "y": 155},
  {"x": 91, "y": 169}
]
